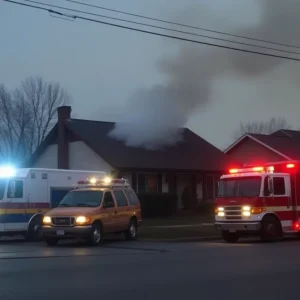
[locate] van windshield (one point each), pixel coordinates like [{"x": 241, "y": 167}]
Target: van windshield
[
  {"x": 240, "y": 187},
  {"x": 2, "y": 188},
  {"x": 82, "y": 199}
]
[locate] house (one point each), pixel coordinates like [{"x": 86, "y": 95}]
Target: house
[
  {"x": 260, "y": 148},
  {"x": 85, "y": 145}
]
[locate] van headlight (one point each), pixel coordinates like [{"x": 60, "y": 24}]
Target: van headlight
[
  {"x": 80, "y": 220},
  {"x": 46, "y": 220}
]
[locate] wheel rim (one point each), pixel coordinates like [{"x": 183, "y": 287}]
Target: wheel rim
[
  {"x": 132, "y": 230},
  {"x": 96, "y": 235},
  {"x": 271, "y": 230}
]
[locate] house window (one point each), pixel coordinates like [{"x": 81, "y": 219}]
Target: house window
[
  {"x": 210, "y": 187},
  {"x": 147, "y": 183}
]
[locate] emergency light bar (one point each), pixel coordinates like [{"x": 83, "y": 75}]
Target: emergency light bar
[
  {"x": 106, "y": 182},
  {"x": 269, "y": 169}
]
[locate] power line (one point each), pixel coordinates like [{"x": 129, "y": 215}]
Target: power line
[
  {"x": 163, "y": 28},
  {"x": 183, "y": 25},
  {"x": 153, "y": 33}
]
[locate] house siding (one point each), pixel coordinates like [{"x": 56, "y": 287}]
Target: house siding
[
  {"x": 48, "y": 159},
  {"x": 249, "y": 151},
  {"x": 82, "y": 157}
]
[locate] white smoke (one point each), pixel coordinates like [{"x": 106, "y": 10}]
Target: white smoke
[{"x": 155, "y": 116}]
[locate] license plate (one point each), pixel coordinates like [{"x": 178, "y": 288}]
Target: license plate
[
  {"x": 60, "y": 232},
  {"x": 232, "y": 230}
]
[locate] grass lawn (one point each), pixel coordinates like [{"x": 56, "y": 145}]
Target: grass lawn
[
  {"x": 150, "y": 233},
  {"x": 179, "y": 220}
]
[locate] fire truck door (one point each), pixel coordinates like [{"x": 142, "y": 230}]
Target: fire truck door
[{"x": 282, "y": 202}]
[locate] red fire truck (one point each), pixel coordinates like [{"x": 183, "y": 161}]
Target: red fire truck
[{"x": 259, "y": 200}]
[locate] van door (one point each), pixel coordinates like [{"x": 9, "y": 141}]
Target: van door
[
  {"x": 123, "y": 210},
  {"x": 15, "y": 218}
]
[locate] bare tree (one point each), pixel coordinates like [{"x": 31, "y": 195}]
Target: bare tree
[
  {"x": 262, "y": 127},
  {"x": 27, "y": 114}
]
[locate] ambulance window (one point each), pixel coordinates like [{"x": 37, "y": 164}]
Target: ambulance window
[
  {"x": 121, "y": 198},
  {"x": 2, "y": 188},
  {"x": 15, "y": 189},
  {"x": 278, "y": 186}
]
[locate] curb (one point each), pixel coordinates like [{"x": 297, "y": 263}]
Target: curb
[{"x": 184, "y": 240}]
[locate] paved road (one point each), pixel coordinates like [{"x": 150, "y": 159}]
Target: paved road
[{"x": 142, "y": 270}]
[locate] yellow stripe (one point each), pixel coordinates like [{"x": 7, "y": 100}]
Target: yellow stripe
[{"x": 23, "y": 211}]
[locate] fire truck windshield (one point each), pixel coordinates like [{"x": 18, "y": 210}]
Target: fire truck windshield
[{"x": 240, "y": 186}]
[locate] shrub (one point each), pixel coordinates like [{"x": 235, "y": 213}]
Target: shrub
[{"x": 158, "y": 204}]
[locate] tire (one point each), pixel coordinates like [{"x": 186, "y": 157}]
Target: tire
[
  {"x": 96, "y": 235},
  {"x": 270, "y": 229},
  {"x": 229, "y": 237},
  {"x": 131, "y": 232},
  {"x": 51, "y": 241},
  {"x": 33, "y": 233}
]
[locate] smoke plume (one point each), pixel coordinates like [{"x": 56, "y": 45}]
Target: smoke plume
[{"x": 155, "y": 115}]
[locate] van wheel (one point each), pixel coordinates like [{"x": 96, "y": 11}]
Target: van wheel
[
  {"x": 51, "y": 241},
  {"x": 96, "y": 235},
  {"x": 230, "y": 237},
  {"x": 33, "y": 233},
  {"x": 270, "y": 229},
  {"x": 131, "y": 232}
]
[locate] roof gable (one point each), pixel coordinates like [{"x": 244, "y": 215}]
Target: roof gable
[
  {"x": 194, "y": 153},
  {"x": 286, "y": 143}
]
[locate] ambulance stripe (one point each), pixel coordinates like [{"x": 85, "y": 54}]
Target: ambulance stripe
[
  {"x": 24, "y": 205},
  {"x": 23, "y": 211},
  {"x": 18, "y": 215}
]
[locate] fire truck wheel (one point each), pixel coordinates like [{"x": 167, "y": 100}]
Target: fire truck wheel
[
  {"x": 270, "y": 229},
  {"x": 230, "y": 237}
]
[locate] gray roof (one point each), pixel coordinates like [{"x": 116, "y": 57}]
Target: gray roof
[{"x": 194, "y": 153}]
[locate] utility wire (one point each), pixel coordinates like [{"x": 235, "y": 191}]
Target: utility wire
[
  {"x": 151, "y": 32},
  {"x": 163, "y": 28},
  {"x": 183, "y": 25}
]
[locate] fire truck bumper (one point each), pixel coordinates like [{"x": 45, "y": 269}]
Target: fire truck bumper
[
  {"x": 239, "y": 227},
  {"x": 66, "y": 232}
]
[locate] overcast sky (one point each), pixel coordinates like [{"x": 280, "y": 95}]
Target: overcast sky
[{"x": 102, "y": 67}]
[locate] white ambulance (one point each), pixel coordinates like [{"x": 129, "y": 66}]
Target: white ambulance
[{"x": 26, "y": 194}]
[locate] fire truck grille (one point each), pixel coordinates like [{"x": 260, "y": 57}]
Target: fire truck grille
[
  {"x": 63, "y": 221},
  {"x": 233, "y": 213}
]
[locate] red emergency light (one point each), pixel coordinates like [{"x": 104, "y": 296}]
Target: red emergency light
[
  {"x": 290, "y": 166},
  {"x": 296, "y": 226},
  {"x": 253, "y": 169}
]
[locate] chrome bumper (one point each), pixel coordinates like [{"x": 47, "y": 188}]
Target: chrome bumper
[
  {"x": 242, "y": 226},
  {"x": 68, "y": 232}
]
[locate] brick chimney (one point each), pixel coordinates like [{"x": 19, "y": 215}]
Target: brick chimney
[{"x": 64, "y": 114}]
